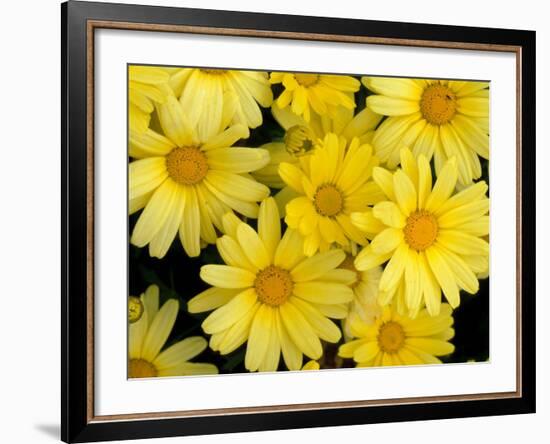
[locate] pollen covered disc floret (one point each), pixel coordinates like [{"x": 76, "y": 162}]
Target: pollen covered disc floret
[
  {"x": 299, "y": 140},
  {"x": 187, "y": 165},
  {"x": 214, "y": 71},
  {"x": 391, "y": 337},
  {"x": 307, "y": 79},
  {"x": 140, "y": 368},
  {"x": 135, "y": 309},
  {"x": 421, "y": 230},
  {"x": 438, "y": 104},
  {"x": 273, "y": 285},
  {"x": 328, "y": 200}
]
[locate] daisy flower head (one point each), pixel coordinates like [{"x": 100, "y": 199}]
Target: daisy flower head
[
  {"x": 432, "y": 235},
  {"x": 205, "y": 94},
  {"x": 270, "y": 295},
  {"x": 301, "y": 137},
  {"x": 149, "y": 329},
  {"x": 147, "y": 85},
  {"x": 186, "y": 184},
  {"x": 365, "y": 294},
  {"x": 320, "y": 93},
  {"x": 396, "y": 339},
  {"x": 437, "y": 118},
  {"x": 333, "y": 183}
]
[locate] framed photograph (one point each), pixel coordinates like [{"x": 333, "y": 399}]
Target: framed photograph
[{"x": 275, "y": 221}]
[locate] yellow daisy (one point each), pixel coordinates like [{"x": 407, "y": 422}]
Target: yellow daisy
[
  {"x": 365, "y": 290},
  {"x": 147, "y": 85},
  {"x": 400, "y": 340},
  {"x": 432, "y": 236},
  {"x": 148, "y": 332},
  {"x": 331, "y": 185},
  {"x": 271, "y": 296},
  {"x": 437, "y": 118},
  {"x": 204, "y": 93},
  {"x": 186, "y": 184},
  {"x": 322, "y": 93},
  {"x": 301, "y": 137}
]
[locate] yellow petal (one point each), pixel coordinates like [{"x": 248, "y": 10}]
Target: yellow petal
[
  {"x": 174, "y": 123},
  {"x": 160, "y": 243},
  {"x": 432, "y": 346},
  {"x": 443, "y": 188},
  {"x": 463, "y": 243},
  {"x": 389, "y": 214},
  {"x": 387, "y": 241},
  {"x": 291, "y": 353},
  {"x": 155, "y": 214},
  {"x": 225, "y": 276},
  {"x": 237, "y": 160},
  {"x": 390, "y": 106},
  {"x": 290, "y": 250},
  {"x": 237, "y": 334},
  {"x": 430, "y": 287},
  {"x": 394, "y": 87},
  {"x": 395, "y": 268},
  {"x": 323, "y": 292},
  {"x": 189, "y": 230},
  {"x": 259, "y": 336},
  {"x": 181, "y": 352},
  {"x": 468, "y": 195},
  {"x": 210, "y": 299},
  {"x": 145, "y": 175},
  {"x": 159, "y": 330},
  {"x": 464, "y": 276},
  {"x": 226, "y": 138},
  {"x": 314, "y": 267},
  {"x": 253, "y": 246},
  {"x": 325, "y": 328},
  {"x": 464, "y": 214},
  {"x": 366, "y": 352},
  {"x": 292, "y": 176},
  {"x": 233, "y": 254},
  {"x": 228, "y": 314},
  {"x": 424, "y": 181},
  {"x": 269, "y": 226},
  {"x": 247, "y": 208},
  {"x": 405, "y": 193},
  {"x": 300, "y": 331},
  {"x": 444, "y": 275},
  {"x": 367, "y": 259},
  {"x": 148, "y": 144},
  {"x": 237, "y": 186}
]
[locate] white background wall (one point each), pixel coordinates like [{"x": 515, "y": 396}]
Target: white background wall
[{"x": 30, "y": 207}]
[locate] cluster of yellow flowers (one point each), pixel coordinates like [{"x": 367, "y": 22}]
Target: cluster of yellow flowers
[{"x": 383, "y": 214}]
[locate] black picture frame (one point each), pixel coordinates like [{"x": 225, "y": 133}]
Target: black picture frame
[{"x": 77, "y": 424}]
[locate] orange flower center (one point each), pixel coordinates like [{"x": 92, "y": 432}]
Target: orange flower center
[
  {"x": 273, "y": 285},
  {"x": 140, "y": 368},
  {"x": 438, "y": 104},
  {"x": 348, "y": 264},
  {"x": 306, "y": 79},
  {"x": 391, "y": 337},
  {"x": 421, "y": 230},
  {"x": 135, "y": 309},
  {"x": 187, "y": 165},
  {"x": 328, "y": 200}
]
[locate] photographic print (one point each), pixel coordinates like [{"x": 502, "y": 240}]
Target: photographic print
[
  {"x": 305, "y": 221},
  {"x": 275, "y": 222}
]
